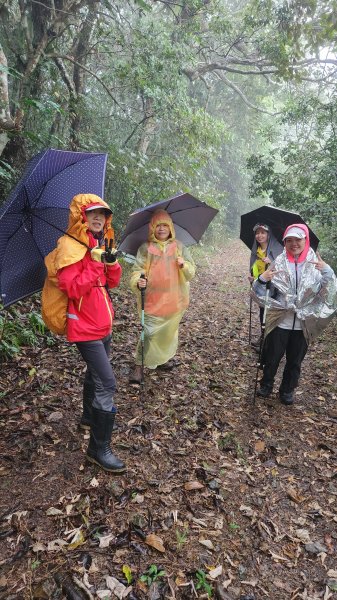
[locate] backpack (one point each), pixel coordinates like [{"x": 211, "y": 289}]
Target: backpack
[{"x": 54, "y": 302}]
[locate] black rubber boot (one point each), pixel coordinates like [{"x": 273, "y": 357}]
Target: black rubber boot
[
  {"x": 264, "y": 391},
  {"x": 287, "y": 398},
  {"x": 99, "y": 451},
  {"x": 88, "y": 397}
]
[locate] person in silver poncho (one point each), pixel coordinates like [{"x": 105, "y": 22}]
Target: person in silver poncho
[{"x": 301, "y": 302}]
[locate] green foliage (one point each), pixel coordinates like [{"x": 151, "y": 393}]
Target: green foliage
[
  {"x": 18, "y": 329},
  {"x": 127, "y": 573},
  {"x": 154, "y": 98},
  {"x": 232, "y": 526},
  {"x": 181, "y": 537},
  {"x": 152, "y": 574},
  {"x": 300, "y": 175},
  {"x": 6, "y": 171},
  {"x": 202, "y": 583}
]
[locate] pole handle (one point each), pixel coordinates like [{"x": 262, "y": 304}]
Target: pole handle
[{"x": 142, "y": 292}]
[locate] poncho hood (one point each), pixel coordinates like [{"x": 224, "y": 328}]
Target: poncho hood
[
  {"x": 274, "y": 248},
  {"x": 160, "y": 216},
  {"x": 72, "y": 246}
]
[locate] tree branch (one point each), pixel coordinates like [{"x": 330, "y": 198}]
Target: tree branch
[
  {"x": 135, "y": 129},
  {"x": 243, "y": 97},
  {"x": 65, "y": 76},
  {"x": 65, "y": 57},
  {"x": 261, "y": 67}
]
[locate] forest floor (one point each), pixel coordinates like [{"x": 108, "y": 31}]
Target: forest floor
[{"x": 222, "y": 498}]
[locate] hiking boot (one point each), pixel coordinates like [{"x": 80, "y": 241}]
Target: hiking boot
[
  {"x": 256, "y": 344},
  {"x": 287, "y": 398},
  {"x": 169, "y": 365},
  {"x": 264, "y": 391},
  {"x": 136, "y": 375},
  {"x": 99, "y": 451}
]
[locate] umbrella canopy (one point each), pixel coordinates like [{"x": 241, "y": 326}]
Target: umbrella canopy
[
  {"x": 36, "y": 214},
  {"x": 277, "y": 219},
  {"x": 190, "y": 216}
]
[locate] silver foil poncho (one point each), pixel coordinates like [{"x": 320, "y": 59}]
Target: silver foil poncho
[{"x": 315, "y": 302}]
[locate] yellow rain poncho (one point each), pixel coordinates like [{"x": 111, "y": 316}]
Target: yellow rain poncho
[{"x": 167, "y": 292}]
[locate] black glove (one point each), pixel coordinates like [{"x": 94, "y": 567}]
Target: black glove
[{"x": 110, "y": 254}]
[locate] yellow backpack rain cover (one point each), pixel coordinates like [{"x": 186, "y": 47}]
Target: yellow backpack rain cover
[{"x": 54, "y": 302}]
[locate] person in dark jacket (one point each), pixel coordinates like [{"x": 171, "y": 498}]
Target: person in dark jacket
[
  {"x": 264, "y": 251},
  {"x": 86, "y": 272}
]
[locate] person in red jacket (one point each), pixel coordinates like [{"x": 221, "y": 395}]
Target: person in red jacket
[{"x": 87, "y": 271}]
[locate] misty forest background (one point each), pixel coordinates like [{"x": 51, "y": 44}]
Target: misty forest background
[{"x": 232, "y": 100}]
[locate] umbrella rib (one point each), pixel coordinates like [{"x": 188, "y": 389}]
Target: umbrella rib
[
  {"x": 190, "y": 208},
  {"x": 51, "y": 225},
  {"x": 172, "y": 213},
  {"x": 61, "y": 230}
]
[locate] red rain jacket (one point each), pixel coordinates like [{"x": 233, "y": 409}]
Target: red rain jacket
[{"x": 90, "y": 313}]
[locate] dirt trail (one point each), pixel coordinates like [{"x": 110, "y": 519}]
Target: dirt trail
[{"x": 213, "y": 481}]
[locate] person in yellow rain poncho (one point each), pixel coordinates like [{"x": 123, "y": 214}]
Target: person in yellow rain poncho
[{"x": 168, "y": 268}]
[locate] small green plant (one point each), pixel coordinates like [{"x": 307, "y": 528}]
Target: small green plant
[
  {"x": 226, "y": 441},
  {"x": 35, "y": 564},
  {"x": 127, "y": 573},
  {"x": 202, "y": 583},
  {"x": 181, "y": 537},
  {"x": 36, "y": 322},
  {"x": 152, "y": 574},
  {"x": 18, "y": 329},
  {"x": 232, "y": 525},
  {"x": 229, "y": 442},
  {"x": 192, "y": 382}
]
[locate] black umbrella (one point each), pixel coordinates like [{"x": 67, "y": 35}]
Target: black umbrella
[
  {"x": 277, "y": 219},
  {"x": 190, "y": 216}
]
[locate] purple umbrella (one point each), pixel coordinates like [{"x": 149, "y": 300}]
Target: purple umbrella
[
  {"x": 190, "y": 216},
  {"x": 36, "y": 214}
]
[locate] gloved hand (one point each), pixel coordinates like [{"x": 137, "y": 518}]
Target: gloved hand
[
  {"x": 97, "y": 254},
  {"x": 110, "y": 253}
]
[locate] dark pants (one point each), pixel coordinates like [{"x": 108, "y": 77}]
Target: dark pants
[
  {"x": 99, "y": 371},
  {"x": 278, "y": 342}
]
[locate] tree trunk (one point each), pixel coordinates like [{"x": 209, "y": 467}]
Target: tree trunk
[
  {"x": 148, "y": 129},
  {"x": 80, "y": 52}
]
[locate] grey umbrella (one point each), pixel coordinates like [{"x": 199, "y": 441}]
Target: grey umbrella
[{"x": 190, "y": 216}]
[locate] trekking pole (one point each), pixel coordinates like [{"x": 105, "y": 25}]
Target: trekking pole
[
  {"x": 142, "y": 321},
  {"x": 263, "y": 327},
  {"x": 250, "y": 318}
]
